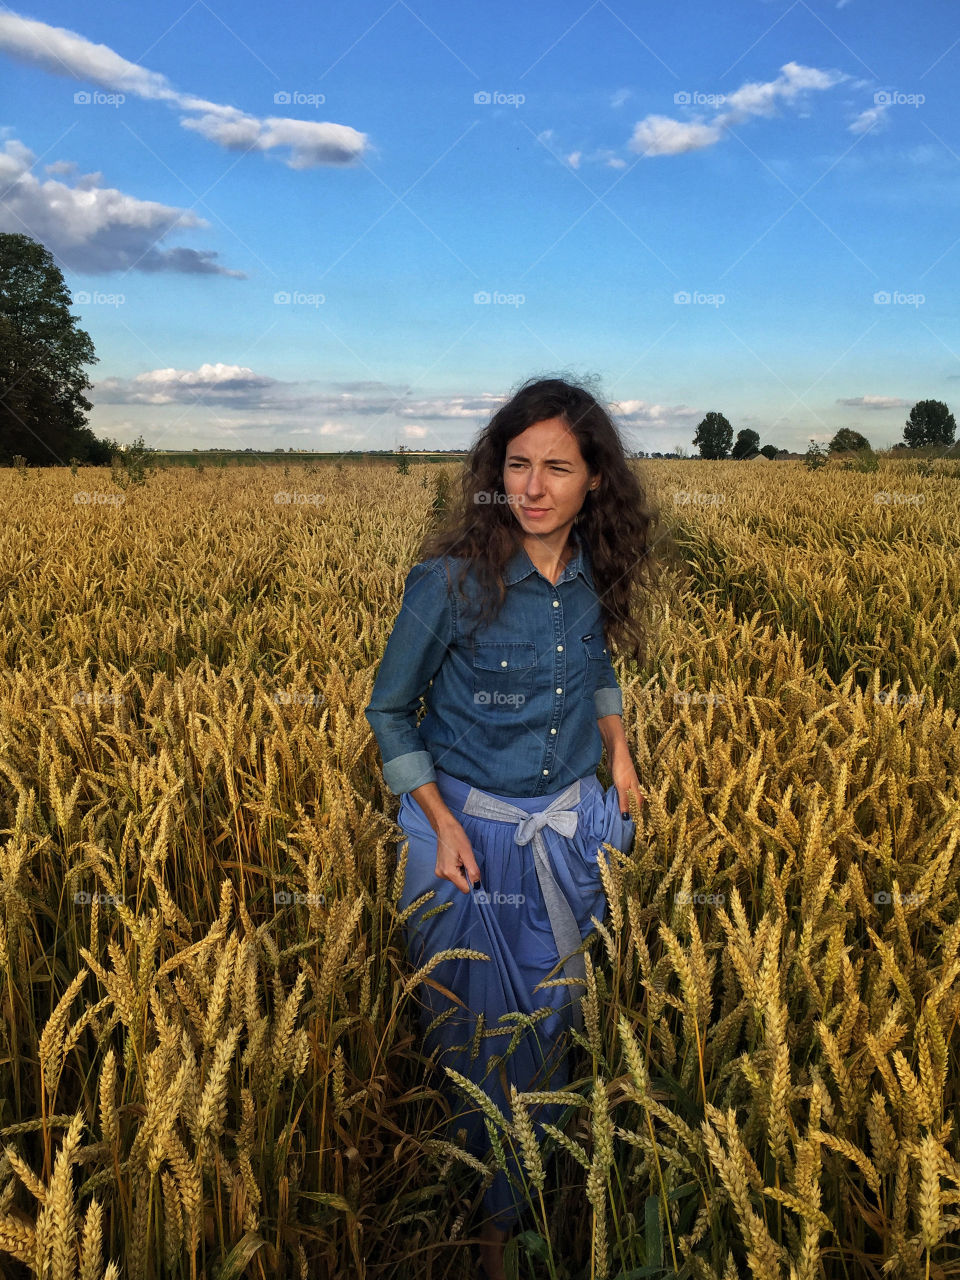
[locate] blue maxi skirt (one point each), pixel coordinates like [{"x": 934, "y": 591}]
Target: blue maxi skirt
[{"x": 539, "y": 885}]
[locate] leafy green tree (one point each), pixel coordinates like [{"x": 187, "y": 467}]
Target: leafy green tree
[
  {"x": 847, "y": 440},
  {"x": 714, "y": 436},
  {"x": 748, "y": 443},
  {"x": 42, "y": 357},
  {"x": 770, "y": 451},
  {"x": 815, "y": 457},
  {"x": 930, "y": 422}
]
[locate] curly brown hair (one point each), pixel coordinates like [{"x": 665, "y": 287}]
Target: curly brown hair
[{"x": 615, "y": 520}]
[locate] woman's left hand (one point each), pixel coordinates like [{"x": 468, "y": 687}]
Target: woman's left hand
[{"x": 625, "y": 779}]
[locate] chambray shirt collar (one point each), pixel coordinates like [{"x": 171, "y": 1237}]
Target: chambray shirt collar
[{"x": 521, "y": 566}]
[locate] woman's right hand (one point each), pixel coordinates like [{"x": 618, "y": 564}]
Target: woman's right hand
[{"x": 455, "y": 860}]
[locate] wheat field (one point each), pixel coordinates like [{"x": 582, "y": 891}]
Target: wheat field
[{"x": 210, "y": 1063}]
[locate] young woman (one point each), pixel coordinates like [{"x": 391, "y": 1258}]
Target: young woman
[{"x": 501, "y": 805}]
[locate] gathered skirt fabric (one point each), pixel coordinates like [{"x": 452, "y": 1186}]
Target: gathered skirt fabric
[{"x": 506, "y": 918}]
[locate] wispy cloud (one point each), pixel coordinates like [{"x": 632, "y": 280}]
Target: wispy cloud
[
  {"x": 870, "y": 118},
  {"x": 91, "y": 228},
  {"x": 657, "y": 135},
  {"x": 876, "y": 402},
  {"x": 64, "y": 52}
]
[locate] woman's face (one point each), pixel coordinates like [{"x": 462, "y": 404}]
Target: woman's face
[{"x": 545, "y": 476}]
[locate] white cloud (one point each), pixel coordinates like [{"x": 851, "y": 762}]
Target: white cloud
[
  {"x": 574, "y": 158},
  {"x": 657, "y": 135},
  {"x": 64, "y": 52},
  {"x": 869, "y": 118},
  {"x": 661, "y": 136},
  {"x": 91, "y": 228},
  {"x": 619, "y": 98},
  {"x": 639, "y": 413},
  {"x": 876, "y": 402},
  {"x": 211, "y": 383}
]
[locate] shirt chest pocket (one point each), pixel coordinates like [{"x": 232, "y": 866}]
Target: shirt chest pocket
[
  {"x": 595, "y": 663},
  {"x": 503, "y": 673}
]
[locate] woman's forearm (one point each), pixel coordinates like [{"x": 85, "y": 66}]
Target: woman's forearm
[{"x": 614, "y": 738}]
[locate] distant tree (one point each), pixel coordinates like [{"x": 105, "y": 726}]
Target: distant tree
[
  {"x": 770, "y": 451},
  {"x": 714, "y": 436},
  {"x": 847, "y": 440},
  {"x": 747, "y": 444},
  {"x": 42, "y": 357},
  {"x": 815, "y": 457},
  {"x": 930, "y": 422}
]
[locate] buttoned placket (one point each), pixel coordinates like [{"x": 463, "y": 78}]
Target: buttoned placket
[{"x": 560, "y": 673}]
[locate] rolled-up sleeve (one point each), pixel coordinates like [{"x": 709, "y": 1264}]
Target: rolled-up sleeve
[
  {"x": 607, "y": 699},
  {"x": 417, "y": 645}
]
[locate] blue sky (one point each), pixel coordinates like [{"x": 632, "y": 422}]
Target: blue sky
[{"x": 280, "y": 225}]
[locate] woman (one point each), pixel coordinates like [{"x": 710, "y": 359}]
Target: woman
[{"x": 501, "y": 806}]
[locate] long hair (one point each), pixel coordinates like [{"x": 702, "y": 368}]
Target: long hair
[{"x": 614, "y": 520}]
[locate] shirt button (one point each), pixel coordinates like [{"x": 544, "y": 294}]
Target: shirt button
[
  {"x": 556, "y": 604},
  {"x": 545, "y": 772},
  {"x": 553, "y": 731},
  {"x": 559, "y": 691},
  {"x": 559, "y": 648},
  {"x": 504, "y": 663}
]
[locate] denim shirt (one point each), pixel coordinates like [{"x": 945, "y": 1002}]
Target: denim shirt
[{"x": 514, "y": 711}]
